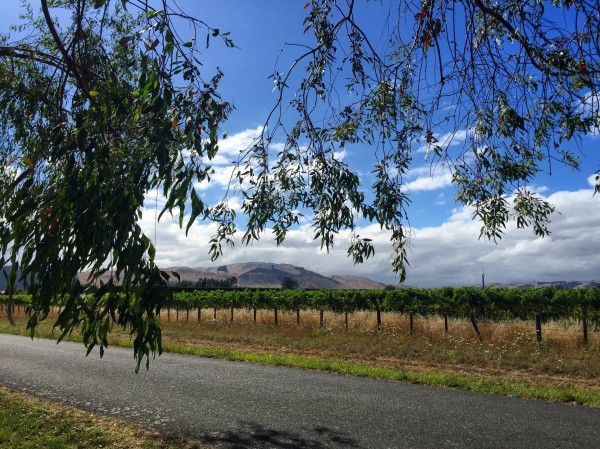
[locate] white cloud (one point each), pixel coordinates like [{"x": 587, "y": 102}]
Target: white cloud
[
  {"x": 452, "y": 253},
  {"x": 449, "y": 254},
  {"x": 238, "y": 142},
  {"x": 449, "y": 139},
  {"x": 433, "y": 182},
  {"x": 224, "y": 164},
  {"x": 340, "y": 155},
  {"x": 428, "y": 177}
]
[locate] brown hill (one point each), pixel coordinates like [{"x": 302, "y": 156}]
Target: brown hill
[
  {"x": 271, "y": 275},
  {"x": 265, "y": 275}
]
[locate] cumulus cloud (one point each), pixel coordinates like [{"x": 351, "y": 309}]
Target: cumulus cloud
[
  {"x": 224, "y": 163},
  {"x": 452, "y": 254},
  {"x": 433, "y": 182},
  {"x": 428, "y": 178},
  {"x": 449, "y": 254}
]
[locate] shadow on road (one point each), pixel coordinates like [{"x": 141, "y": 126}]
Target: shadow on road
[{"x": 250, "y": 434}]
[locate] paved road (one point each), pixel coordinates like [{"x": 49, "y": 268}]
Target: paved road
[{"x": 238, "y": 405}]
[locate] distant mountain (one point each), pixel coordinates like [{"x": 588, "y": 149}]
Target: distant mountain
[
  {"x": 566, "y": 285},
  {"x": 266, "y": 275},
  {"x": 271, "y": 275}
]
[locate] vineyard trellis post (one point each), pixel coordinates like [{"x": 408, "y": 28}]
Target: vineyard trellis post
[
  {"x": 585, "y": 327},
  {"x": 475, "y": 326}
]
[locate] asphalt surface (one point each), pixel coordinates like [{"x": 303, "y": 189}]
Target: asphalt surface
[{"x": 239, "y": 405}]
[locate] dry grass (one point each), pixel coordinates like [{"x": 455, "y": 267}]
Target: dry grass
[
  {"x": 508, "y": 350},
  {"x": 28, "y": 422}
]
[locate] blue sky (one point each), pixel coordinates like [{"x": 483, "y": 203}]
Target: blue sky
[{"x": 444, "y": 248}]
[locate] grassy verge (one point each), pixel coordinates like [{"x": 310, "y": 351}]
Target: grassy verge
[
  {"x": 461, "y": 381},
  {"x": 561, "y": 372},
  {"x": 32, "y": 423}
]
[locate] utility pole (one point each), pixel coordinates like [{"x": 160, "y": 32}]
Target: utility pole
[{"x": 483, "y": 279}]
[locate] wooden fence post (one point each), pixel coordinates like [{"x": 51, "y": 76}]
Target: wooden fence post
[
  {"x": 199, "y": 313},
  {"x": 255, "y": 316},
  {"x": 411, "y": 324},
  {"x": 446, "y": 323},
  {"x": 231, "y": 317},
  {"x": 378, "y": 319},
  {"x": 585, "y": 328},
  {"x": 321, "y": 318},
  {"x": 297, "y": 317},
  {"x": 538, "y": 328},
  {"x": 276, "y": 318},
  {"x": 346, "y": 320}
]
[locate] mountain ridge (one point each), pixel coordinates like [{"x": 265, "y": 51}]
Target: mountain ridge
[{"x": 271, "y": 275}]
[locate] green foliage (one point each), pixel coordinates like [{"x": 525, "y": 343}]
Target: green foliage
[
  {"x": 230, "y": 282},
  {"x": 97, "y": 110},
  {"x": 497, "y": 304},
  {"x": 289, "y": 283},
  {"x": 460, "y": 302}
]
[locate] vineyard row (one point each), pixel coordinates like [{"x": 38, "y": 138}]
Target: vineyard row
[{"x": 461, "y": 302}]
